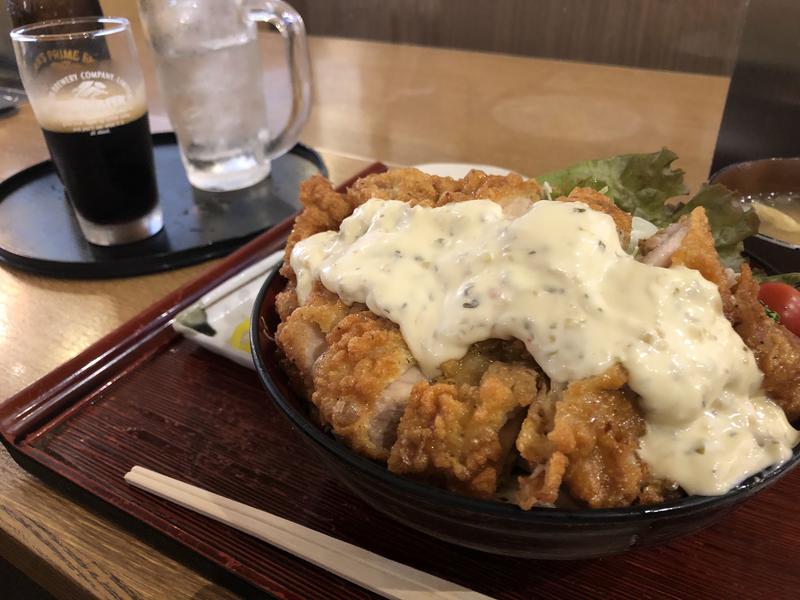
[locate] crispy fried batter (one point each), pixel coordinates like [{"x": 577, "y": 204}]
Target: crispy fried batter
[
  {"x": 532, "y": 442},
  {"x": 602, "y": 203},
  {"x": 362, "y": 382},
  {"x": 407, "y": 185},
  {"x": 689, "y": 243},
  {"x": 591, "y": 441},
  {"x": 286, "y": 300},
  {"x": 512, "y": 192},
  {"x": 301, "y": 336},
  {"x": 656, "y": 490},
  {"x": 477, "y": 184},
  {"x": 697, "y": 251},
  {"x": 547, "y": 465},
  {"x": 777, "y": 350},
  {"x": 598, "y": 429},
  {"x": 462, "y": 435},
  {"x": 323, "y": 210},
  {"x": 470, "y": 368},
  {"x": 541, "y": 487}
]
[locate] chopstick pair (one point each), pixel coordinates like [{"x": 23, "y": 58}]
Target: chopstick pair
[{"x": 371, "y": 571}]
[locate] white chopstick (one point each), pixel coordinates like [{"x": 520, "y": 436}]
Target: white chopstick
[{"x": 371, "y": 571}]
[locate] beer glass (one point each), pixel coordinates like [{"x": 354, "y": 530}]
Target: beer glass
[
  {"x": 86, "y": 89},
  {"x": 210, "y": 75}
]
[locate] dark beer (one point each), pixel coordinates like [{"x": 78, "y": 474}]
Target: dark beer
[
  {"x": 109, "y": 172},
  {"x": 88, "y": 95}
]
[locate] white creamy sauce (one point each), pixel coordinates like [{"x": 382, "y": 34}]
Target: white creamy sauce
[{"x": 558, "y": 279}]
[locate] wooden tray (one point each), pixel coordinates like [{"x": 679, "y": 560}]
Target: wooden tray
[{"x": 144, "y": 395}]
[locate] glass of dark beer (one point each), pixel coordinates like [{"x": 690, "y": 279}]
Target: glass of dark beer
[{"x": 84, "y": 84}]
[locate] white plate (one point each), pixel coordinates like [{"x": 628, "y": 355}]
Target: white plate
[{"x": 458, "y": 170}]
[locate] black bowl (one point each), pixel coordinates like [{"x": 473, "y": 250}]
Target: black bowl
[{"x": 484, "y": 525}]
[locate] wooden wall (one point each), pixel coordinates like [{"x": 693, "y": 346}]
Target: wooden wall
[{"x": 682, "y": 35}]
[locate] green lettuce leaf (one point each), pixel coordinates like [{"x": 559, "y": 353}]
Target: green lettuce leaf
[
  {"x": 637, "y": 183},
  {"x": 730, "y": 223}
]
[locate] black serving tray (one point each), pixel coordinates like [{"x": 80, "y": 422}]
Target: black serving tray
[{"x": 39, "y": 233}]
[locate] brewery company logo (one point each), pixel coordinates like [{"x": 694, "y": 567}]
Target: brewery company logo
[
  {"x": 62, "y": 55},
  {"x": 92, "y": 85},
  {"x": 91, "y": 89},
  {"x": 91, "y": 101}
]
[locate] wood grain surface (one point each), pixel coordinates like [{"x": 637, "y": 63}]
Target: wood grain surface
[
  {"x": 681, "y": 35},
  {"x": 190, "y": 415},
  {"x": 399, "y": 104}
]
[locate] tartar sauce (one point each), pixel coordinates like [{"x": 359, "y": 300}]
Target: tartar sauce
[{"x": 558, "y": 279}]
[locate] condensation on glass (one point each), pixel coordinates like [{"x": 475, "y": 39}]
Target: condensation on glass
[{"x": 211, "y": 77}]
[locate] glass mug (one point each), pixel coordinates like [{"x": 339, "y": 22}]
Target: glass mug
[
  {"x": 84, "y": 84},
  {"x": 210, "y": 75}
]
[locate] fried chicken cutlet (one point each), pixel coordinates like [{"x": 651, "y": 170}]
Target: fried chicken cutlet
[
  {"x": 354, "y": 366},
  {"x": 586, "y": 436},
  {"x": 689, "y": 243},
  {"x": 461, "y": 436},
  {"x": 466, "y": 427},
  {"x": 777, "y": 349},
  {"x": 362, "y": 382}
]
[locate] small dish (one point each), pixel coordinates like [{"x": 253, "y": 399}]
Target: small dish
[
  {"x": 495, "y": 527},
  {"x": 220, "y": 320},
  {"x": 760, "y": 177}
]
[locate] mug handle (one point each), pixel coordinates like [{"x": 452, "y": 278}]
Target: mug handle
[{"x": 290, "y": 25}]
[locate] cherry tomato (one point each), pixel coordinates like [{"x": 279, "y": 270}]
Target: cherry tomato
[{"x": 784, "y": 300}]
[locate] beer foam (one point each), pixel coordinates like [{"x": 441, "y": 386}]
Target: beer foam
[{"x": 69, "y": 113}]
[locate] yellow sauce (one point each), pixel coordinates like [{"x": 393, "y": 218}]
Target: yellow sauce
[
  {"x": 779, "y": 215},
  {"x": 557, "y": 279}
]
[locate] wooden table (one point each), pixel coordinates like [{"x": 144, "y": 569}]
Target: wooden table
[{"x": 399, "y": 104}]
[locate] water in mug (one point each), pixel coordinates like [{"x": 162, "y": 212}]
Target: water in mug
[{"x": 210, "y": 74}]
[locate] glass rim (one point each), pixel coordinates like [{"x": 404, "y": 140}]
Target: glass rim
[{"x": 26, "y": 33}]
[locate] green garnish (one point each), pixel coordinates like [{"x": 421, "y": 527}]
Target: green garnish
[{"x": 771, "y": 313}]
